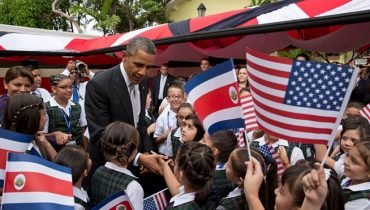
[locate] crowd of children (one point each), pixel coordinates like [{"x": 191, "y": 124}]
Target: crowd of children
[{"x": 201, "y": 171}]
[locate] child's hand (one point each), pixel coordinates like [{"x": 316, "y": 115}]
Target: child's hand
[
  {"x": 253, "y": 178},
  {"x": 335, "y": 151},
  {"x": 315, "y": 187},
  {"x": 40, "y": 138},
  {"x": 62, "y": 138}
]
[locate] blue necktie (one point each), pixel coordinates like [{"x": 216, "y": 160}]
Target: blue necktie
[{"x": 75, "y": 96}]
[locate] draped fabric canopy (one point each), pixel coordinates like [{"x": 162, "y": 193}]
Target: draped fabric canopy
[{"x": 325, "y": 26}]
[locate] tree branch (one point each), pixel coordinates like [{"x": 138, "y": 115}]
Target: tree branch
[{"x": 70, "y": 18}]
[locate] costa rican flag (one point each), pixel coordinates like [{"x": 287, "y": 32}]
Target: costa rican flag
[
  {"x": 35, "y": 183},
  {"x": 215, "y": 98},
  {"x": 11, "y": 142},
  {"x": 298, "y": 101},
  {"x": 118, "y": 200}
]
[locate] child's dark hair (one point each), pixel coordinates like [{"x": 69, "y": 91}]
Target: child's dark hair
[
  {"x": 18, "y": 71},
  {"x": 197, "y": 163},
  {"x": 200, "y": 130},
  {"x": 176, "y": 84},
  {"x": 293, "y": 178},
  {"x": 266, "y": 192},
  {"x": 364, "y": 150},
  {"x": 225, "y": 141},
  {"x": 74, "y": 157},
  {"x": 119, "y": 141},
  {"x": 56, "y": 78},
  {"x": 356, "y": 122},
  {"x": 22, "y": 113}
]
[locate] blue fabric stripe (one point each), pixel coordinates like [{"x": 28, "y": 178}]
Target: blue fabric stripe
[
  {"x": 226, "y": 124},
  {"x": 34, "y": 159},
  {"x": 7, "y": 134},
  {"x": 1, "y": 183},
  {"x": 107, "y": 200},
  {"x": 209, "y": 74},
  {"x": 38, "y": 206},
  {"x": 180, "y": 28},
  {"x": 245, "y": 16}
]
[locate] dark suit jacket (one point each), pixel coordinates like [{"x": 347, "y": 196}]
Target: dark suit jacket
[
  {"x": 108, "y": 100},
  {"x": 156, "y": 86}
]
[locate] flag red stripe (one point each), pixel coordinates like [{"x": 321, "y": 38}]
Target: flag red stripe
[
  {"x": 38, "y": 182},
  {"x": 219, "y": 98},
  {"x": 267, "y": 96},
  {"x": 269, "y": 58},
  {"x": 269, "y": 71},
  {"x": 293, "y": 127},
  {"x": 267, "y": 83},
  {"x": 294, "y": 139},
  {"x": 295, "y": 115},
  {"x": 3, "y": 154}
]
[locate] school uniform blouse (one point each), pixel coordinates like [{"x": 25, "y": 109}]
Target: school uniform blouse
[
  {"x": 81, "y": 198},
  {"x": 234, "y": 200},
  {"x": 167, "y": 120},
  {"x": 182, "y": 198},
  {"x": 134, "y": 190},
  {"x": 339, "y": 165},
  {"x": 356, "y": 197}
]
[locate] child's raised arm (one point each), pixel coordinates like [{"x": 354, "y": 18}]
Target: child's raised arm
[
  {"x": 315, "y": 188},
  {"x": 252, "y": 182}
]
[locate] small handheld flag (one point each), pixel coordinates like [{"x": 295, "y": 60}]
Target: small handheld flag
[
  {"x": 35, "y": 183},
  {"x": 157, "y": 201},
  {"x": 118, "y": 200}
]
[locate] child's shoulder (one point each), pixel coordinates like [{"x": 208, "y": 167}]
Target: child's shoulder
[
  {"x": 191, "y": 205},
  {"x": 236, "y": 203}
]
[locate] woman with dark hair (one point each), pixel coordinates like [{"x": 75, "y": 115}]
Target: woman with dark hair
[{"x": 18, "y": 79}]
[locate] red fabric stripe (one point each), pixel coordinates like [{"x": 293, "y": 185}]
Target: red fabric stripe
[
  {"x": 124, "y": 203},
  {"x": 267, "y": 83},
  {"x": 37, "y": 182},
  {"x": 293, "y": 127},
  {"x": 294, "y": 139},
  {"x": 267, "y": 96},
  {"x": 312, "y": 10},
  {"x": 269, "y": 58},
  {"x": 295, "y": 115},
  {"x": 269, "y": 71},
  {"x": 210, "y": 102},
  {"x": 3, "y": 154}
]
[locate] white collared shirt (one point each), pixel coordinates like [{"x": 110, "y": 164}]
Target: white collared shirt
[
  {"x": 66, "y": 110},
  {"x": 134, "y": 190},
  {"x": 167, "y": 120},
  {"x": 296, "y": 155},
  {"x": 358, "y": 204},
  {"x": 339, "y": 165},
  {"x": 136, "y": 86},
  {"x": 182, "y": 197},
  {"x": 236, "y": 192}
]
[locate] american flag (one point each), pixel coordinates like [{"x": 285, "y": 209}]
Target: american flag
[
  {"x": 298, "y": 101},
  {"x": 239, "y": 133},
  {"x": 269, "y": 152},
  {"x": 249, "y": 114},
  {"x": 157, "y": 201},
  {"x": 365, "y": 112}
]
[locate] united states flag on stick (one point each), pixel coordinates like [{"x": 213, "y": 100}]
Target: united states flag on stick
[
  {"x": 118, "y": 200},
  {"x": 215, "y": 98},
  {"x": 249, "y": 114},
  {"x": 298, "y": 100},
  {"x": 365, "y": 112},
  {"x": 11, "y": 142},
  {"x": 269, "y": 152},
  {"x": 157, "y": 201},
  {"x": 35, "y": 183}
]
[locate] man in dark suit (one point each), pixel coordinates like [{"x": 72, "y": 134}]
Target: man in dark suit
[
  {"x": 119, "y": 94},
  {"x": 160, "y": 87}
]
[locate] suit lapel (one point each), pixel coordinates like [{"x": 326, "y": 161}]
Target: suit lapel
[{"x": 120, "y": 88}]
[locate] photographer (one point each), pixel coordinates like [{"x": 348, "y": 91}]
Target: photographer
[
  {"x": 76, "y": 70},
  {"x": 361, "y": 92}
]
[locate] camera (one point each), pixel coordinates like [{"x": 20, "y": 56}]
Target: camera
[
  {"x": 80, "y": 66},
  {"x": 361, "y": 61}
]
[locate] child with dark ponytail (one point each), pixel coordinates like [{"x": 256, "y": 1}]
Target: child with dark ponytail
[
  {"x": 119, "y": 143},
  {"x": 190, "y": 182}
]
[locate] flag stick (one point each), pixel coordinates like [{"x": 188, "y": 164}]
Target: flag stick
[
  {"x": 248, "y": 147},
  {"x": 326, "y": 154}
]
